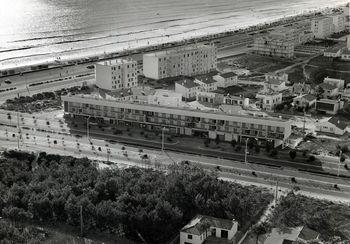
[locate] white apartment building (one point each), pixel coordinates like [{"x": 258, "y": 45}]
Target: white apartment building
[
  {"x": 322, "y": 27},
  {"x": 183, "y": 121},
  {"x": 296, "y": 34},
  {"x": 273, "y": 47},
  {"x": 207, "y": 83},
  {"x": 226, "y": 79},
  {"x": 338, "y": 22},
  {"x": 188, "y": 61},
  {"x": 116, "y": 74}
]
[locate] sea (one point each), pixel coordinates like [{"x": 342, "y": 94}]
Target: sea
[{"x": 41, "y": 31}]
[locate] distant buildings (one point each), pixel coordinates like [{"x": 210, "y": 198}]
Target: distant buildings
[
  {"x": 325, "y": 26},
  {"x": 322, "y": 27},
  {"x": 209, "y": 230},
  {"x": 116, "y": 74},
  {"x": 274, "y": 47},
  {"x": 191, "y": 60}
]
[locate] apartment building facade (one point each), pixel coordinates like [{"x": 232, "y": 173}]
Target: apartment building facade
[
  {"x": 188, "y": 61},
  {"x": 116, "y": 74},
  {"x": 322, "y": 27},
  {"x": 183, "y": 121},
  {"x": 274, "y": 47}
]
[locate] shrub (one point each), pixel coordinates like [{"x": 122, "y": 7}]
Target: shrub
[
  {"x": 257, "y": 149},
  {"x": 233, "y": 143},
  {"x": 273, "y": 153},
  {"x": 311, "y": 158},
  {"x": 292, "y": 154}
]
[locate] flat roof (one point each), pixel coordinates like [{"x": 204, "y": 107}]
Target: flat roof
[
  {"x": 188, "y": 83},
  {"x": 182, "y": 111},
  {"x": 228, "y": 75},
  {"x": 116, "y": 62}
]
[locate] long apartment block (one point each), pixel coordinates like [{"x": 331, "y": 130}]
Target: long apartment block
[
  {"x": 183, "y": 120},
  {"x": 190, "y": 60}
]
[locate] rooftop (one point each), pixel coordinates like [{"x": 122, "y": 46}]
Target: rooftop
[
  {"x": 307, "y": 97},
  {"x": 206, "y": 80},
  {"x": 197, "y": 225},
  {"x": 116, "y": 62},
  {"x": 330, "y": 101},
  {"x": 228, "y": 75},
  {"x": 114, "y": 100},
  {"x": 288, "y": 235},
  {"x": 327, "y": 86},
  {"x": 338, "y": 123},
  {"x": 179, "y": 50},
  {"x": 188, "y": 83}
]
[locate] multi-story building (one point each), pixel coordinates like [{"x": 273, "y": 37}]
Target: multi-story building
[
  {"x": 338, "y": 22},
  {"x": 184, "y": 121},
  {"x": 116, "y": 74},
  {"x": 322, "y": 27},
  {"x": 275, "y": 82},
  {"x": 273, "y": 47},
  {"x": 188, "y": 61},
  {"x": 292, "y": 34},
  {"x": 207, "y": 83}
]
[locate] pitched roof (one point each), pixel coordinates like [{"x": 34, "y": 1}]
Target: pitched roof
[
  {"x": 307, "y": 234},
  {"x": 338, "y": 123},
  {"x": 188, "y": 83},
  {"x": 327, "y": 86},
  {"x": 309, "y": 97},
  {"x": 195, "y": 226},
  {"x": 228, "y": 75}
]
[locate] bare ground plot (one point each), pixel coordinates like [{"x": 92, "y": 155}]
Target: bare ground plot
[
  {"x": 326, "y": 144},
  {"x": 261, "y": 64}
]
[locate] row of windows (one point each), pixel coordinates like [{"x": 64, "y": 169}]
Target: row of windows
[{"x": 187, "y": 118}]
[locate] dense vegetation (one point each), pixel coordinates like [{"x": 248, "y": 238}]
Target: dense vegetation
[
  {"x": 329, "y": 219},
  {"x": 10, "y": 233},
  {"x": 136, "y": 203}
]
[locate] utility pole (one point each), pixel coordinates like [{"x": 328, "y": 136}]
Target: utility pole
[
  {"x": 276, "y": 193},
  {"x": 19, "y": 136},
  {"x": 340, "y": 155},
  {"x": 87, "y": 127},
  {"x": 81, "y": 221},
  {"x": 163, "y": 139},
  {"x": 246, "y": 151}
]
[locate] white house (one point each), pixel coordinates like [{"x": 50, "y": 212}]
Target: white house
[
  {"x": 226, "y": 79},
  {"x": 187, "y": 87},
  {"x": 269, "y": 100},
  {"x": 335, "y": 82},
  {"x": 201, "y": 228},
  {"x": 276, "y": 82},
  {"x": 165, "y": 98},
  {"x": 304, "y": 101},
  {"x": 332, "y": 125},
  {"x": 329, "y": 90}
]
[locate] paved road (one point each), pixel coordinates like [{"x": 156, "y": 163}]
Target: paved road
[
  {"x": 34, "y": 140},
  {"x": 56, "y": 139}
]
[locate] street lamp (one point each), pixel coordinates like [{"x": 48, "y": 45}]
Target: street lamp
[
  {"x": 340, "y": 155},
  {"x": 163, "y": 129},
  {"x": 87, "y": 127}
]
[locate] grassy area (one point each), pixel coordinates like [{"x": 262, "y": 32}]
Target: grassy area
[{"x": 262, "y": 64}]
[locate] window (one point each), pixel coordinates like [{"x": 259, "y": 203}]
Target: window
[{"x": 189, "y": 237}]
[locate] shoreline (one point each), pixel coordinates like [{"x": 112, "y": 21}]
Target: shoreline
[{"x": 87, "y": 59}]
